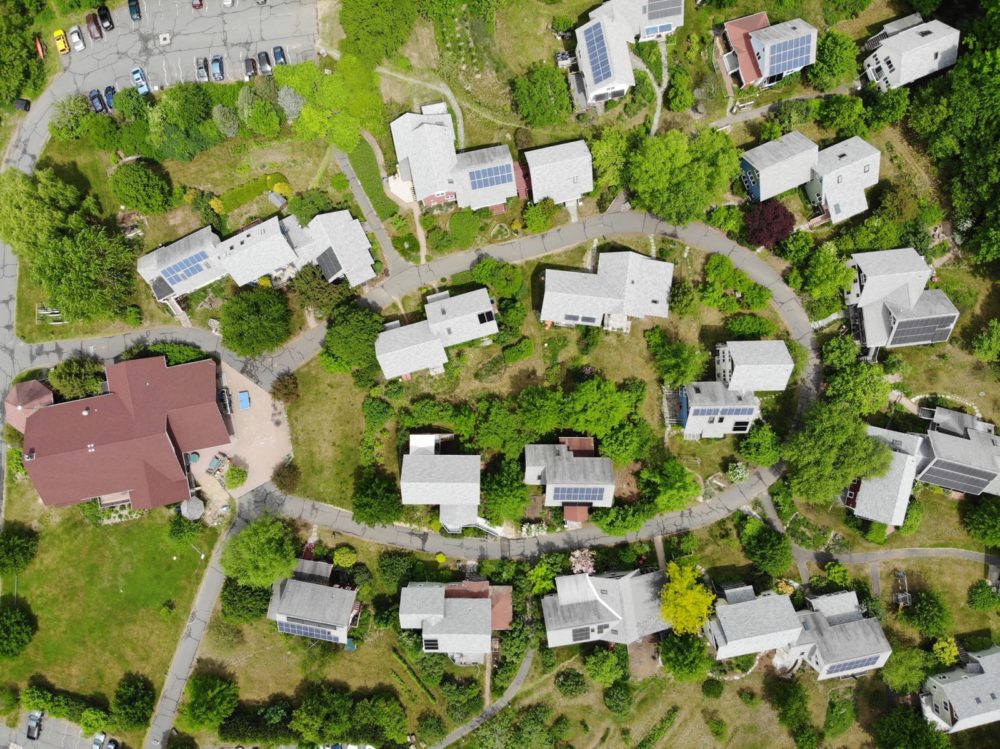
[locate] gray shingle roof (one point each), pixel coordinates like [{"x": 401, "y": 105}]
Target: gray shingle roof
[
  {"x": 712, "y": 393},
  {"x": 783, "y": 164},
  {"x": 636, "y": 17},
  {"x": 418, "y": 602},
  {"x": 780, "y": 32},
  {"x": 916, "y": 52},
  {"x": 764, "y": 623},
  {"x": 425, "y": 148},
  {"x": 460, "y": 625},
  {"x": 884, "y": 499},
  {"x": 844, "y": 171},
  {"x": 563, "y": 172},
  {"x": 409, "y": 348},
  {"x": 489, "y": 195},
  {"x": 440, "y": 479},
  {"x": 340, "y": 232},
  {"x": 847, "y": 640},
  {"x": 757, "y": 365},
  {"x": 312, "y": 602},
  {"x": 151, "y": 265},
  {"x": 256, "y": 252},
  {"x": 455, "y": 319},
  {"x": 625, "y": 282},
  {"x": 555, "y": 465},
  {"x": 616, "y": 38},
  {"x": 973, "y": 689}
]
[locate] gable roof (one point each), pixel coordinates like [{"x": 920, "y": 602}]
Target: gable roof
[
  {"x": 456, "y": 319},
  {"x": 625, "y": 282},
  {"x": 918, "y": 51},
  {"x": 483, "y": 177},
  {"x": 425, "y": 148},
  {"x": 409, "y": 348},
  {"x": 556, "y": 465},
  {"x": 440, "y": 479},
  {"x": 460, "y": 616},
  {"x": 129, "y": 440},
  {"x": 604, "y": 62},
  {"x": 187, "y": 274},
  {"x": 884, "y": 499},
  {"x": 312, "y": 602},
  {"x": 838, "y": 628},
  {"x": 638, "y": 17},
  {"x": 973, "y": 688},
  {"x": 763, "y": 623},
  {"x": 338, "y": 233},
  {"x": 255, "y": 252},
  {"x": 563, "y": 172},
  {"x": 738, "y": 32}
]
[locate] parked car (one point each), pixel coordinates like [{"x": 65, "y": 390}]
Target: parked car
[
  {"x": 134, "y": 11},
  {"x": 249, "y": 67},
  {"x": 227, "y": 3},
  {"x": 76, "y": 39},
  {"x": 34, "y": 726},
  {"x": 218, "y": 69},
  {"x": 279, "y": 56},
  {"x": 261, "y": 2},
  {"x": 94, "y": 27},
  {"x": 112, "y": 744},
  {"x": 62, "y": 44},
  {"x": 99, "y": 739},
  {"x": 22, "y": 105},
  {"x": 197, "y": 4},
  {"x": 104, "y": 15},
  {"x": 201, "y": 69},
  {"x": 109, "y": 96},
  {"x": 139, "y": 79},
  {"x": 225, "y": 401},
  {"x": 97, "y": 102},
  {"x": 264, "y": 63}
]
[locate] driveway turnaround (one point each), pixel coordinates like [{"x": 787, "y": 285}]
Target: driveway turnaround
[{"x": 165, "y": 44}]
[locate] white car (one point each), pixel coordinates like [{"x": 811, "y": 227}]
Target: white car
[
  {"x": 99, "y": 740},
  {"x": 227, "y": 3},
  {"x": 76, "y": 39}
]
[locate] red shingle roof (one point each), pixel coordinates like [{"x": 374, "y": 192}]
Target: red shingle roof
[
  {"x": 23, "y": 399},
  {"x": 738, "y": 33},
  {"x": 132, "y": 439}
]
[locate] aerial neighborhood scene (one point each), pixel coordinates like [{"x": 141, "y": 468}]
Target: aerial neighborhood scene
[{"x": 500, "y": 374}]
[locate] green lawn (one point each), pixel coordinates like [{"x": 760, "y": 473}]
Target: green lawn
[
  {"x": 98, "y": 595},
  {"x": 365, "y": 166}
]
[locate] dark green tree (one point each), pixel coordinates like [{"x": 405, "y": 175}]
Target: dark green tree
[
  {"x": 836, "y": 61},
  {"x": 350, "y": 339},
  {"x": 769, "y": 549},
  {"x": 324, "y": 714},
  {"x": 78, "y": 377},
  {"x": 243, "y": 603},
  {"x": 210, "y": 700},
  {"x": 686, "y": 656},
  {"x": 677, "y": 363},
  {"x": 929, "y": 614},
  {"x": 983, "y": 521},
  {"x": 845, "y": 114},
  {"x": 255, "y": 320},
  {"x": 904, "y": 727},
  {"x": 570, "y": 683},
  {"x": 680, "y": 90},
  {"x": 761, "y": 446},
  {"x": 18, "y": 544},
  {"x": 376, "y": 497},
  {"x": 306, "y": 205},
  {"x": 261, "y": 554},
  {"x": 668, "y": 485},
  {"x": 138, "y": 185},
  {"x": 135, "y": 698},
  {"x": 504, "y": 279},
  {"x": 21, "y": 67},
  {"x": 17, "y": 629},
  {"x": 541, "y": 95},
  {"x": 505, "y": 495}
]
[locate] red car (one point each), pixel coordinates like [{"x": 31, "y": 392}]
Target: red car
[{"x": 197, "y": 4}]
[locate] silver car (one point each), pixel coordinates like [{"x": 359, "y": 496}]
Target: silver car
[
  {"x": 201, "y": 69},
  {"x": 76, "y": 39}
]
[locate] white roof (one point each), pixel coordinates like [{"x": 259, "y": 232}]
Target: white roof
[
  {"x": 885, "y": 272},
  {"x": 884, "y": 499},
  {"x": 758, "y": 365},
  {"x": 556, "y": 465},
  {"x": 845, "y": 171},
  {"x": 916, "y": 52},
  {"x": 460, "y": 625},
  {"x": 440, "y": 479},
  {"x": 610, "y": 67},
  {"x": 642, "y": 17},
  {"x": 256, "y": 252},
  {"x": 172, "y": 270},
  {"x": 973, "y": 689},
  {"x": 563, "y": 172},
  {"x": 409, "y": 348},
  {"x": 425, "y": 149},
  {"x": 625, "y": 282},
  {"x": 340, "y": 234},
  {"x": 783, "y": 164},
  {"x": 313, "y": 602},
  {"x": 765, "y": 623},
  {"x": 484, "y": 191},
  {"x": 456, "y": 319}
]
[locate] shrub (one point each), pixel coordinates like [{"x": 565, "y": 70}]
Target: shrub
[
  {"x": 676, "y": 363},
  {"x": 769, "y": 223},
  {"x": 604, "y": 667},
  {"x": 504, "y": 279},
  {"x": 286, "y": 477},
  {"x": 210, "y": 700},
  {"x": 541, "y": 95},
  {"x": 983, "y": 596},
  {"x": 840, "y": 714},
  {"x": 570, "y": 682},
  {"x": 877, "y": 532},
  {"x": 236, "y": 476},
  {"x": 137, "y": 185},
  {"x": 618, "y": 698},
  {"x": 928, "y": 614},
  {"x": 680, "y": 90},
  {"x": 538, "y": 216},
  {"x": 430, "y": 726},
  {"x": 78, "y": 377},
  {"x": 255, "y": 321},
  {"x": 17, "y": 629},
  {"x": 749, "y": 697},
  {"x": 945, "y": 651},
  {"x": 305, "y": 206},
  {"x": 737, "y": 472},
  {"x": 761, "y": 446},
  {"x": 717, "y": 727},
  {"x": 241, "y": 604},
  {"x": 135, "y": 698},
  {"x": 18, "y": 545},
  {"x": 750, "y": 327},
  {"x": 519, "y": 351},
  {"x": 285, "y": 388},
  {"x": 983, "y": 521},
  {"x": 712, "y": 688},
  {"x": 914, "y": 514}
]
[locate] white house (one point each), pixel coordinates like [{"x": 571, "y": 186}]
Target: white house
[
  {"x": 307, "y": 605},
  {"x": 778, "y": 165},
  {"x": 574, "y": 476},
  {"x": 907, "y": 54},
  {"x": 745, "y": 623},
  {"x": 884, "y": 499},
  {"x": 564, "y": 173},
  {"x": 428, "y": 477},
  {"x": 840, "y": 177},
  {"x": 761, "y": 54},
  {"x": 967, "y": 696}
]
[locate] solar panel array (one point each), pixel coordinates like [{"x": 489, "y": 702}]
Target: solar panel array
[
  {"x": 730, "y": 411},
  {"x": 491, "y": 176},
  {"x": 791, "y": 54},
  {"x": 663, "y": 28},
  {"x": 840, "y": 668},
  {"x": 189, "y": 266},
  {"x": 597, "y": 51},
  {"x": 663, "y": 8},
  {"x": 305, "y": 630},
  {"x": 578, "y": 493},
  {"x": 958, "y": 477},
  {"x": 926, "y": 330}
]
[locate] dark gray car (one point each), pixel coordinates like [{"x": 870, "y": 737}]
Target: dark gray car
[
  {"x": 218, "y": 71},
  {"x": 264, "y": 63}
]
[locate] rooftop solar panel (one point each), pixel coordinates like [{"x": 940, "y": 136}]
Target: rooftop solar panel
[
  {"x": 185, "y": 268},
  {"x": 789, "y": 55},
  {"x": 597, "y": 51},
  {"x": 491, "y": 176},
  {"x": 657, "y": 9}
]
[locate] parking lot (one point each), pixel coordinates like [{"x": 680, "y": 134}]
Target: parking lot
[
  {"x": 166, "y": 43},
  {"x": 56, "y": 734}
]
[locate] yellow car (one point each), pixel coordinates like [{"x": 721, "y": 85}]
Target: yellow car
[{"x": 62, "y": 44}]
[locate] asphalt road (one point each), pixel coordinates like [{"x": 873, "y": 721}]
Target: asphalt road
[{"x": 235, "y": 33}]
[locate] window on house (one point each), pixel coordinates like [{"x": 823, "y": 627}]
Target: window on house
[
  {"x": 430, "y": 644},
  {"x": 581, "y": 634},
  {"x": 840, "y": 178},
  {"x": 485, "y": 317},
  {"x": 868, "y": 168},
  {"x": 572, "y": 318},
  {"x": 741, "y": 426},
  {"x": 711, "y": 419},
  {"x": 587, "y": 319},
  {"x": 936, "y": 55}
]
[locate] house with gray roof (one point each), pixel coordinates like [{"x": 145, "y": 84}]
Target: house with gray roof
[
  {"x": 884, "y": 499},
  {"x": 837, "y": 639},
  {"x": 643, "y": 21},
  {"x": 574, "y": 476},
  {"x": 753, "y": 365},
  {"x": 429, "y": 477},
  {"x": 402, "y": 350},
  {"x": 888, "y": 305},
  {"x": 778, "y": 165},
  {"x": 603, "y": 56},
  {"x": 960, "y": 452},
  {"x": 761, "y": 54},
  {"x": 617, "y": 607},
  {"x": 307, "y": 605},
  {"x": 457, "y": 618},
  {"x": 564, "y": 173},
  {"x": 905, "y": 51},
  {"x": 840, "y": 177},
  {"x": 967, "y": 696},
  {"x": 276, "y": 248},
  {"x": 746, "y": 623},
  {"x": 432, "y": 172},
  {"x": 626, "y": 285}
]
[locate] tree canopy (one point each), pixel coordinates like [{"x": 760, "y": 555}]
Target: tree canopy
[
  {"x": 686, "y": 603},
  {"x": 982, "y": 521},
  {"x": 261, "y": 554},
  {"x": 324, "y": 715},
  {"x": 836, "y": 61},
  {"x": 604, "y": 667},
  {"x": 928, "y": 613},
  {"x": 17, "y": 629},
  {"x": 255, "y": 320},
  {"x": 541, "y": 95},
  {"x": 350, "y": 340},
  {"x": 18, "y": 544},
  {"x": 22, "y": 70},
  {"x": 376, "y": 497},
  {"x": 905, "y": 727},
  {"x": 135, "y": 698},
  {"x": 769, "y": 223},
  {"x": 375, "y": 29},
  {"x": 677, "y": 363},
  {"x": 678, "y": 177},
  {"x": 243, "y": 603},
  {"x": 137, "y": 185},
  {"x": 686, "y": 656},
  {"x": 210, "y": 699},
  {"x": 78, "y": 377},
  {"x": 761, "y": 446},
  {"x": 769, "y": 549},
  {"x": 906, "y": 670}
]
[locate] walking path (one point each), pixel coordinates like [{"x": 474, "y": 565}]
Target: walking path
[
  {"x": 659, "y": 87},
  {"x": 442, "y": 89},
  {"x": 462, "y": 731}
]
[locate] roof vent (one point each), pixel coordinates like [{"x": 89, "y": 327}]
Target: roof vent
[
  {"x": 85, "y": 412},
  {"x": 30, "y": 455},
  {"x": 91, "y": 448}
]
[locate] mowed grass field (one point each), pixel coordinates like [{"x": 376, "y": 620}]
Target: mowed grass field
[{"x": 98, "y": 595}]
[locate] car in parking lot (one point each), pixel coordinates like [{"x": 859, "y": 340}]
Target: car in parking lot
[
  {"x": 109, "y": 96},
  {"x": 112, "y": 744},
  {"x": 139, "y": 79},
  {"x": 94, "y": 28},
  {"x": 249, "y": 67},
  {"x": 34, "y": 726},
  {"x": 197, "y": 4},
  {"x": 104, "y": 15},
  {"x": 279, "y": 56},
  {"x": 218, "y": 69},
  {"x": 264, "y": 63},
  {"x": 96, "y": 101},
  {"x": 134, "y": 10},
  {"x": 62, "y": 44},
  {"x": 201, "y": 69},
  {"x": 99, "y": 739},
  {"x": 76, "y": 39}
]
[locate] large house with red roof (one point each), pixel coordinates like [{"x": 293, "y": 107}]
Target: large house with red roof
[{"x": 131, "y": 444}]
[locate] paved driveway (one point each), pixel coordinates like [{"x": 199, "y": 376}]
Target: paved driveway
[
  {"x": 56, "y": 734},
  {"x": 235, "y": 33}
]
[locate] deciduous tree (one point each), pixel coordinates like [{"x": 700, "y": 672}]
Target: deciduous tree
[
  {"x": 541, "y": 95},
  {"x": 835, "y": 63},
  {"x": 769, "y": 223},
  {"x": 18, "y": 544},
  {"x": 262, "y": 553},
  {"x": 375, "y": 29},
  {"x": 686, "y": 603},
  {"x": 677, "y": 363},
  {"x": 928, "y": 613},
  {"x": 376, "y": 497},
  {"x": 210, "y": 700},
  {"x": 983, "y": 521},
  {"x": 905, "y": 727},
  {"x": 78, "y": 377},
  {"x": 135, "y": 698},
  {"x": 138, "y": 185},
  {"x": 255, "y": 320},
  {"x": 769, "y": 549},
  {"x": 761, "y": 446},
  {"x": 324, "y": 714}
]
